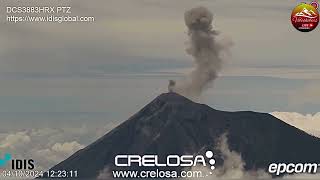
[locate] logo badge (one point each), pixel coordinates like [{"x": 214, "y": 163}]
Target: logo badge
[
  {"x": 5, "y": 159},
  {"x": 305, "y": 17}
]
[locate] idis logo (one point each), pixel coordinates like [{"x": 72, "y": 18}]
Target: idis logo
[
  {"x": 22, "y": 164},
  {"x": 17, "y": 164},
  {"x": 5, "y": 159}
]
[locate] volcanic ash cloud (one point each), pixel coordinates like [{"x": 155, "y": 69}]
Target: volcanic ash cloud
[{"x": 208, "y": 53}]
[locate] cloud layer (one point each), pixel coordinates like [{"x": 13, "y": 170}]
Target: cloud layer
[
  {"x": 49, "y": 146},
  {"x": 308, "y": 123}
]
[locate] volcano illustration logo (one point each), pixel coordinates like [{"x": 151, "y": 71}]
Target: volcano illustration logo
[
  {"x": 305, "y": 17},
  {"x": 307, "y": 13}
]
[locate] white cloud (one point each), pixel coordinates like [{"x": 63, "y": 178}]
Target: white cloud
[
  {"x": 67, "y": 147},
  {"x": 49, "y": 146},
  {"x": 308, "y": 123},
  {"x": 15, "y": 140},
  {"x": 48, "y": 157},
  {"x": 233, "y": 165}
]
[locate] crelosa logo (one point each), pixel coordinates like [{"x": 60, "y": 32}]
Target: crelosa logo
[
  {"x": 17, "y": 164},
  {"x": 171, "y": 160}
]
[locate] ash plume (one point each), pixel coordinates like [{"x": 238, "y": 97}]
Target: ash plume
[{"x": 207, "y": 52}]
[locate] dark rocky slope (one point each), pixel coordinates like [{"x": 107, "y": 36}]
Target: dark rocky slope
[{"x": 172, "y": 124}]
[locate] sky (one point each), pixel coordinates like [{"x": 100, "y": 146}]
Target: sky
[{"x": 95, "y": 75}]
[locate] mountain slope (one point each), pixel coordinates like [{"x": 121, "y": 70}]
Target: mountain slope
[{"x": 172, "y": 124}]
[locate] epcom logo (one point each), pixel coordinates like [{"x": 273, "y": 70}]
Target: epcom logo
[{"x": 16, "y": 164}]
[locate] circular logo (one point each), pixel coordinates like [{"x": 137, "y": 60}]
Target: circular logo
[
  {"x": 314, "y": 4},
  {"x": 305, "y": 17}
]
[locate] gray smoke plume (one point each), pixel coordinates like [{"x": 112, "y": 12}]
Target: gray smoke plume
[
  {"x": 233, "y": 166},
  {"x": 207, "y": 52}
]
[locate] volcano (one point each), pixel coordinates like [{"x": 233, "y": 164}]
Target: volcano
[{"x": 172, "y": 124}]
